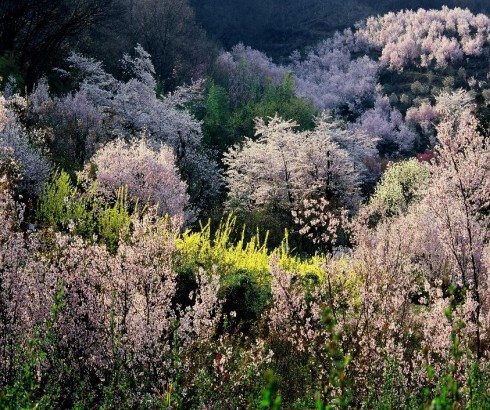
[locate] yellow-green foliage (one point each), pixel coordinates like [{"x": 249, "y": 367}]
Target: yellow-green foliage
[
  {"x": 311, "y": 267},
  {"x": 218, "y": 250},
  {"x": 114, "y": 222},
  {"x": 346, "y": 277},
  {"x": 63, "y": 206},
  {"x": 402, "y": 184}
]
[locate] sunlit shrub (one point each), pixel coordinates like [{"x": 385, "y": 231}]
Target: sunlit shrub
[{"x": 64, "y": 206}]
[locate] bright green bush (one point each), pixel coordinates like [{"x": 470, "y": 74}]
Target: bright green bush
[
  {"x": 114, "y": 222},
  {"x": 280, "y": 100},
  {"x": 220, "y": 251},
  {"x": 61, "y": 205},
  {"x": 243, "y": 266},
  {"x": 65, "y": 207},
  {"x": 402, "y": 184}
]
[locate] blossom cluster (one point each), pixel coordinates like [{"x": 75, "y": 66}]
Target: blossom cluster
[
  {"x": 150, "y": 176},
  {"x": 282, "y": 167},
  {"x": 424, "y": 37}
]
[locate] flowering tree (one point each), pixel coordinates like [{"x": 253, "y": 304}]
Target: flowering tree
[
  {"x": 18, "y": 146},
  {"x": 246, "y": 68},
  {"x": 98, "y": 311},
  {"x": 3, "y": 113},
  {"x": 331, "y": 78},
  {"x": 149, "y": 175},
  {"x": 459, "y": 202},
  {"x": 425, "y": 115},
  {"x": 283, "y": 167},
  {"x": 445, "y": 233},
  {"x": 132, "y": 107},
  {"x": 76, "y": 126},
  {"x": 387, "y": 124},
  {"x": 454, "y": 106},
  {"x": 424, "y": 37}
]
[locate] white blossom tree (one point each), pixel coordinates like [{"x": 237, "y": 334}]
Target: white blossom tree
[
  {"x": 133, "y": 107},
  {"x": 245, "y": 67},
  {"x": 283, "y": 167}
]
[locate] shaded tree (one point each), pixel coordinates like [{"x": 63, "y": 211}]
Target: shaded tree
[
  {"x": 168, "y": 31},
  {"x": 37, "y": 33}
]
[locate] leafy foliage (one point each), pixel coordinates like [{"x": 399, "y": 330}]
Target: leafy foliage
[
  {"x": 63, "y": 206},
  {"x": 248, "y": 86},
  {"x": 402, "y": 184}
]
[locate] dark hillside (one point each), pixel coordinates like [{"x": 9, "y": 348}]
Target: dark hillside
[{"x": 278, "y": 27}]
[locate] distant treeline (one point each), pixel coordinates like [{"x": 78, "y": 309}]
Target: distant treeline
[
  {"x": 37, "y": 36},
  {"x": 279, "y": 27},
  {"x": 182, "y": 36}
]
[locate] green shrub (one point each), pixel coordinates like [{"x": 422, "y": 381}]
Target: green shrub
[
  {"x": 244, "y": 300},
  {"x": 66, "y": 208},
  {"x": 63, "y": 206},
  {"x": 114, "y": 222},
  {"x": 9, "y": 67},
  {"x": 216, "y": 127},
  {"x": 402, "y": 184},
  {"x": 224, "y": 125}
]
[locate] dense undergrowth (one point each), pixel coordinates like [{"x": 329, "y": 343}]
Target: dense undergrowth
[
  {"x": 209, "y": 318},
  {"x": 305, "y": 236}
]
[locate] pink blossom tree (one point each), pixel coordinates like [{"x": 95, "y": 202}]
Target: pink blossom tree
[
  {"x": 387, "y": 124},
  {"x": 133, "y": 107},
  {"x": 331, "y": 78},
  {"x": 150, "y": 175},
  {"x": 424, "y": 37}
]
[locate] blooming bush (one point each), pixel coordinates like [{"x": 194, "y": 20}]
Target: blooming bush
[
  {"x": 151, "y": 176},
  {"x": 18, "y": 146},
  {"x": 104, "y": 108}
]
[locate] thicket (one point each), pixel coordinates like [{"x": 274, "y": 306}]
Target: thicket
[{"x": 156, "y": 317}]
